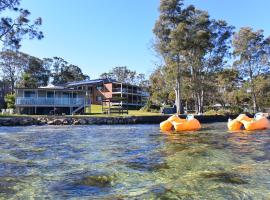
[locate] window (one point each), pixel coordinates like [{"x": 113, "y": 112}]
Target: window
[
  {"x": 29, "y": 94},
  {"x": 98, "y": 98},
  {"x": 65, "y": 95},
  {"x": 99, "y": 87},
  {"x": 50, "y": 94},
  {"x": 90, "y": 88}
]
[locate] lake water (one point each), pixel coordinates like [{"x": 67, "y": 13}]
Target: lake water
[{"x": 133, "y": 162}]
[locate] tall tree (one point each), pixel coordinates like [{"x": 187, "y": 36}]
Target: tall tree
[
  {"x": 170, "y": 16},
  {"x": 125, "y": 75},
  {"x": 251, "y": 50},
  {"x": 35, "y": 73},
  {"x": 12, "y": 64},
  {"x": 190, "y": 42},
  {"x": 13, "y": 29},
  {"x": 63, "y": 72}
]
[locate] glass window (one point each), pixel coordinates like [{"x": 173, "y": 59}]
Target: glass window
[
  {"x": 65, "y": 94},
  {"x": 29, "y": 94},
  {"x": 50, "y": 94},
  {"x": 98, "y": 98}
]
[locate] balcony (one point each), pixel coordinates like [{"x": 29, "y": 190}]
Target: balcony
[
  {"x": 43, "y": 101},
  {"x": 125, "y": 90}
]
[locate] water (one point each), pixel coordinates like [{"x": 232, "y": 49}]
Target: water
[{"x": 133, "y": 162}]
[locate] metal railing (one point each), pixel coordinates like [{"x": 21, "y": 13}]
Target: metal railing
[
  {"x": 124, "y": 90},
  {"x": 48, "y": 101}
]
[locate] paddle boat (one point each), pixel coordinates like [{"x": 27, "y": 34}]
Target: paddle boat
[
  {"x": 176, "y": 123},
  {"x": 243, "y": 122}
]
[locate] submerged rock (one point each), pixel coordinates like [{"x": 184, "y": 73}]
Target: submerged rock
[
  {"x": 226, "y": 177},
  {"x": 88, "y": 180},
  {"x": 96, "y": 180}
]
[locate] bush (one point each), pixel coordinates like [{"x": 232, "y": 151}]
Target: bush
[
  {"x": 225, "y": 111},
  {"x": 149, "y": 107},
  {"x": 210, "y": 112},
  {"x": 10, "y": 100}
]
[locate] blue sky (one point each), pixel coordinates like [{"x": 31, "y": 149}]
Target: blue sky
[{"x": 100, "y": 34}]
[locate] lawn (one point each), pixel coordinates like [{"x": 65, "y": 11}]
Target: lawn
[{"x": 97, "y": 111}]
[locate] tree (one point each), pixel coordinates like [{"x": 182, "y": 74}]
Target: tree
[
  {"x": 12, "y": 64},
  {"x": 13, "y": 30},
  {"x": 170, "y": 16},
  {"x": 10, "y": 100},
  {"x": 63, "y": 72},
  {"x": 251, "y": 50},
  {"x": 125, "y": 75},
  {"x": 35, "y": 73},
  {"x": 160, "y": 89},
  {"x": 227, "y": 84},
  {"x": 191, "y": 45}
]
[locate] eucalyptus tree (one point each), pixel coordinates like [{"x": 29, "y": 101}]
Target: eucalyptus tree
[
  {"x": 161, "y": 88},
  {"x": 35, "y": 73},
  {"x": 251, "y": 50},
  {"x": 169, "y": 18},
  {"x": 63, "y": 72},
  {"x": 192, "y": 44},
  {"x": 11, "y": 65},
  {"x": 126, "y": 75},
  {"x": 14, "y": 29}
]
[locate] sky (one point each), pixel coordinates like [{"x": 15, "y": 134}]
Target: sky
[{"x": 97, "y": 35}]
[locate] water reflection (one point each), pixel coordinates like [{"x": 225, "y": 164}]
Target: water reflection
[{"x": 133, "y": 162}]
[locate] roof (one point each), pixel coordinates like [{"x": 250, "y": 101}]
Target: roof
[
  {"x": 85, "y": 82},
  {"x": 51, "y": 86},
  {"x": 51, "y": 89}
]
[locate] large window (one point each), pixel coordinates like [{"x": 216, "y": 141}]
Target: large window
[
  {"x": 29, "y": 94},
  {"x": 50, "y": 94}
]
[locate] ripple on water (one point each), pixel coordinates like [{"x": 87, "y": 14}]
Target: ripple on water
[{"x": 133, "y": 162}]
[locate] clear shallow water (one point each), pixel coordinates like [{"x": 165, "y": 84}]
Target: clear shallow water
[{"x": 133, "y": 162}]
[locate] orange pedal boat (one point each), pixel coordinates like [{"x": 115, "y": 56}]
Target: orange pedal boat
[
  {"x": 259, "y": 122},
  {"x": 176, "y": 123}
]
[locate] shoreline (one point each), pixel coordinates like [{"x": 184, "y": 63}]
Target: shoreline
[
  {"x": 101, "y": 120},
  {"x": 109, "y": 120}
]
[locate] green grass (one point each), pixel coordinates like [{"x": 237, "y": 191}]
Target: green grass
[{"x": 96, "y": 110}]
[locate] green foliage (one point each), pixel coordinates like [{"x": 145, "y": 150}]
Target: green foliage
[
  {"x": 12, "y": 64},
  {"x": 14, "y": 28},
  {"x": 230, "y": 110},
  {"x": 150, "y": 107},
  {"x": 253, "y": 56},
  {"x": 63, "y": 72},
  {"x": 10, "y": 100},
  {"x": 193, "y": 48},
  {"x": 125, "y": 75}
]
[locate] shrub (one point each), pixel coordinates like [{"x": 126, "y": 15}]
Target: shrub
[
  {"x": 149, "y": 107},
  {"x": 10, "y": 100},
  {"x": 210, "y": 112}
]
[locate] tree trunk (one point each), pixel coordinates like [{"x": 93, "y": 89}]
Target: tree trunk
[
  {"x": 178, "y": 97},
  {"x": 12, "y": 85},
  {"x": 254, "y": 98}
]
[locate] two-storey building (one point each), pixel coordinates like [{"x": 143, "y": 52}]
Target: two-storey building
[{"x": 74, "y": 97}]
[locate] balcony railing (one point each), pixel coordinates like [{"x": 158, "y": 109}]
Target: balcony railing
[
  {"x": 49, "y": 101},
  {"x": 124, "y": 90}
]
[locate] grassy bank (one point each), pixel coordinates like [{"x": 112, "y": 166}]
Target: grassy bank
[{"x": 95, "y": 111}]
